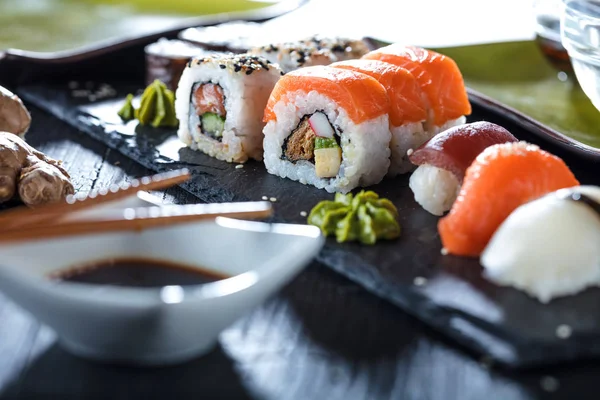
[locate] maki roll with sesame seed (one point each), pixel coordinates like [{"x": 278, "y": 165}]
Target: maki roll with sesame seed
[
  {"x": 220, "y": 101},
  {"x": 328, "y": 127},
  {"x": 311, "y": 51},
  {"x": 341, "y": 48},
  {"x": 291, "y": 56}
]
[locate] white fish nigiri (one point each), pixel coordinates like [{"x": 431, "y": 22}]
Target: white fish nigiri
[{"x": 549, "y": 247}]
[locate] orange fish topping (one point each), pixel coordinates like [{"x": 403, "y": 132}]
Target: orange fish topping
[{"x": 361, "y": 96}]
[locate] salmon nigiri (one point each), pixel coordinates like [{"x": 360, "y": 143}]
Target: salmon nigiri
[
  {"x": 502, "y": 177},
  {"x": 408, "y": 108},
  {"x": 439, "y": 77}
]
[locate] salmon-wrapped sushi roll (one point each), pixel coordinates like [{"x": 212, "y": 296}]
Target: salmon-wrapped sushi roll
[
  {"x": 408, "y": 108},
  {"x": 439, "y": 77},
  {"x": 328, "y": 127},
  {"x": 220, "y": 101}
]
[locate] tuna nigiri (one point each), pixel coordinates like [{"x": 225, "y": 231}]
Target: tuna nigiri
[
  {"x": 548, "y": 247},
  {"x": 444, "y": 159},
  {"x": 438, "y": 76},
  {"x": 408, "y": 109},
  {"x": 502, "y": 177}
]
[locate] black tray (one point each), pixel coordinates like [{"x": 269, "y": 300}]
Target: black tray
[{"x": 501, "y": 323}]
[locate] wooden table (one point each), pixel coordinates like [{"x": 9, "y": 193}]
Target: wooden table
[{"x": 322, "y": 337}]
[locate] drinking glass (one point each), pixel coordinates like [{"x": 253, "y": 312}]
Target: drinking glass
[{"x": 580, "y": 35}]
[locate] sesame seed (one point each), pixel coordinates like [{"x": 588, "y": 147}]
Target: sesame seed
[
  {"x": 239, "y": 166},
  {"x": 222, "y": 66},
  {"x": 303, "y": 213},
  {"x": 273, "y": 199},
  {"x": 265, "y": 198},
  {"x": 564, "y": 331},
  {"x": 549, "y": 383},
  {"x": 409, "y": 152},
  {"x": 444, "y": 251},
  {"x": 420, "y": 281},
  {"x": 249, "y": 71}
]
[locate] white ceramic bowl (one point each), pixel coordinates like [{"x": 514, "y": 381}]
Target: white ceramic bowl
[{"x": 153, "y": 326}]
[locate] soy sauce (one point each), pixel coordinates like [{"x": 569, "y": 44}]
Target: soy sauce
[{"x": 137, "y": 272}]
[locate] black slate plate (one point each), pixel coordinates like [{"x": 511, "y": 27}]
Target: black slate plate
[{"x": 501, "y": 323}]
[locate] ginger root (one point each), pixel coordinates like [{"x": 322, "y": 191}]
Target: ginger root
[
  {"x": 37, "y": 178},
  {"x": 14, "y": 117}
]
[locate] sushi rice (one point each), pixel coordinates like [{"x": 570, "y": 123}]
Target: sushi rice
[{"x": 435, "y": 189}]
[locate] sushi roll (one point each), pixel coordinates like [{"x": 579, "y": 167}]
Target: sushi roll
[
  {"x": 444, "y": 159},
  {"x": 310, "y": 52},
  {"x": 503, "y": 177},
  {"x": 439, "y": 77},
  {"x": 291, "y": 56},
  {"x": 341, "y": 48},
  {"x": 408, "y": 109},
  {"x": 329, "y": 128},
  {"x": 548, "y": 247},
  {"x": 220, "y": 102}
]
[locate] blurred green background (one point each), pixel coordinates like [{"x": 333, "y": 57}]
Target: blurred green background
[{"x": 51, "y": 25}]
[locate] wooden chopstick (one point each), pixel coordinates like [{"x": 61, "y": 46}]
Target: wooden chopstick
[
  {"x": 137, "y": 219},
  {"x": 22, "y": 216}
]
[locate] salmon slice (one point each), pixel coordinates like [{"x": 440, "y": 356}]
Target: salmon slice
[
  {"x": 406, "y": 98},
  {"x": 361, "y": 96},
  {"x": 438, "y": 75},
  {"x": 210, "y": 98},
  {"x": 502, "y": 178}
]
